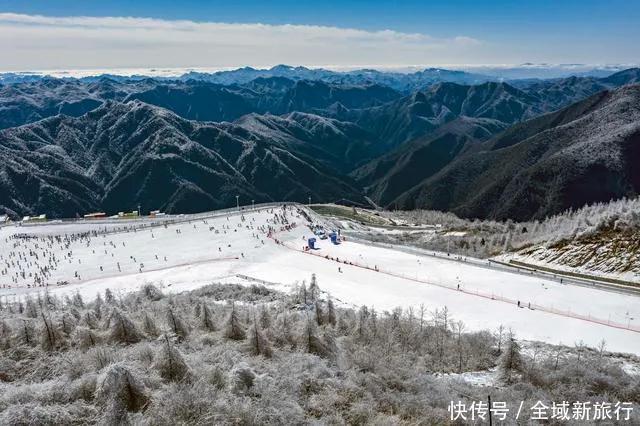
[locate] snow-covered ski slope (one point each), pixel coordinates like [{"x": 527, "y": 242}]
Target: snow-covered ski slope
[{"x": 230, "y": 247}]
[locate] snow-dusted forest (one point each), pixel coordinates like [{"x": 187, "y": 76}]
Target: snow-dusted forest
[
  {"x": 485, "y": 238},
  {"x": 228, "y": 354}
]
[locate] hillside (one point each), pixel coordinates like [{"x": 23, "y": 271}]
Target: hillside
[
  {"x": 584, "y": 153},
  {"x": 423, "y": 112},
  {"x": 214, "y": 102},
  {"x": 257, "y": 355},
  {"x": 366, "y": 137},
  {"x": 123, "y": 154},
  {"x": 607, "y": 252},
  {"x": 388, "y": 176},
  {"x": 31, "y": 101},
  {"x": 557, "y": 93}
]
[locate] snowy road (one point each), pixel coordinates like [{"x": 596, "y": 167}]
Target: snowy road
[{"x": 191, "y": 254}]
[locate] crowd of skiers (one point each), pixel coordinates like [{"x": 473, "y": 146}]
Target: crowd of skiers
[{"x": 35, "y": 260}]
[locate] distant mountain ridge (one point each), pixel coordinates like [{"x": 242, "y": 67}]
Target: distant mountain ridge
[
  {"x": 428, "y": 130},
  {"x": 214, "y": 102},
  {"x": 407, "y": 81},
  {"x": 423, "y": 112},
  {"x": 402, "y": 82},
  {"x": 72, "y": 146}
]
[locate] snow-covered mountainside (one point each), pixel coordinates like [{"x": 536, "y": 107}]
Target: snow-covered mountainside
[
  {"x": 124, "y": 154},
  {"x": 23, "y": 103},
  {"x": 608, "y": 253},
  {"x": 599, "y": 241},
  {"x": 267, "y": 245},
  {"x": 587, "y": 152},
  {"x": 30, "y": 101},
  {"x": 447, "y": 146}
]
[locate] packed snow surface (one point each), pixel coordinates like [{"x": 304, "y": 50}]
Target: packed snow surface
[{"x": 267, "y": 245}]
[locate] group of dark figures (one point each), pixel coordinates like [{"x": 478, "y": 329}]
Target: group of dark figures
[{"x": 33, "y": 259}]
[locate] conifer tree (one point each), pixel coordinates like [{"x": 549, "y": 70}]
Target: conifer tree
[
  {"x": 234, "y": 329},
  {"x": 510, "y": 361}
]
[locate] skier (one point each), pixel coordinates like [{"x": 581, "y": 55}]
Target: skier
[{"x": 518, "y": 303}]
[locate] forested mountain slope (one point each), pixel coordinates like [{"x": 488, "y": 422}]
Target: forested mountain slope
[
  {"x": 122, "y": 154},
  {"x": 585, "y": 153}
]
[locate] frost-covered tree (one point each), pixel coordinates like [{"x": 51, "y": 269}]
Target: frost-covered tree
[
  {"x": 319, "y": 312},
  {"x": 177, "y": 324},
  {"x": 331, "y": 312},
  {"x": 90, "y": 319},
  {"x": 258, "y": 343},
  {"x": 149, "y": 325},
  {"x": 121, "y": 329},
  {"x": 499, "y": 336},
  {"x": 119, "y": 390},
  {"x": 51, "y": 338},
  {"x": 31, "y": 308},
  {"x": 109, "y": 297},
  {"x": 234, "y": 329},
  {"x": 242, "y": 378},
  {"x": 67, "y": 323},
  {"x": 265, "y": 317},
  {"x": 77, "y": 300},
  {"x": 26, "y": 333},
  {"x": 311, "y": 342},
  {"x": 206, "y": 320},
  {"x": 170, "y": 363},
  {"x": 5, "y": 329},
  {"x": 510, "y": 362},
  {"x": 85, "y": 337},
  {"x": 97, "y": 306},
  {"x": 284, "y": 335},
  {"x": 363, "y": 317},
  {"x": 151, "y": 292},
  {"x": 303, "y": 294},
  {"x": 314, "y": 290}
]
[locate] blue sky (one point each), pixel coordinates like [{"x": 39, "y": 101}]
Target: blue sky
[{"x": 455, "y": 32}]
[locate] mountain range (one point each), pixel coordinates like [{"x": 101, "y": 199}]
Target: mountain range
[
  {"x": 481, "y": 148},
  {"x": 123, "y": 154},
  {"x": 585, "y": 153}
]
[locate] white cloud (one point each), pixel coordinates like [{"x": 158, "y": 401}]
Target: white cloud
[{"x": 43, "y": 42}]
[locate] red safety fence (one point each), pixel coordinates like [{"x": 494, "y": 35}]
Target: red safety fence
[{"x": 533, "y": 306}]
